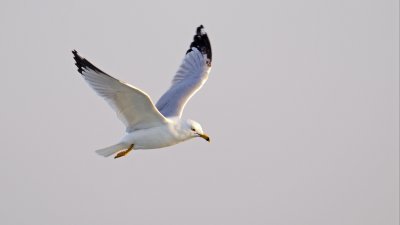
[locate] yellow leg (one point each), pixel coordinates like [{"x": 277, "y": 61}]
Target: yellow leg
[{"x": 125, "y": 152}]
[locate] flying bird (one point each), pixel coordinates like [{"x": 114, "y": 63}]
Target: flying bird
[{"x": 150, "y": 126}]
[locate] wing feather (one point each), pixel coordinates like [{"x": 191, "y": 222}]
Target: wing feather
[
  {"x": 132, "y": 106},
  {"x": 190, "y": 77}
]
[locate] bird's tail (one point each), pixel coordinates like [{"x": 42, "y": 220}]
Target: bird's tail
[{"x": 111, "y": 150}]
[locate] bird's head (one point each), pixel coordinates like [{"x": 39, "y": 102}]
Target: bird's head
[{"x": 194, "y": 130}]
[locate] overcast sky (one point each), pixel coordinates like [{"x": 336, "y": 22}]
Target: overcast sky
[{"x": 302, "y": 107}]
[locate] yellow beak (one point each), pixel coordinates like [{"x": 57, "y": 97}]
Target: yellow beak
[{"x": 205, "y": 137}]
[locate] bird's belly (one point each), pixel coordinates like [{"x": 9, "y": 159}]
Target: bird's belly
[{"x": 150, "y": 139}]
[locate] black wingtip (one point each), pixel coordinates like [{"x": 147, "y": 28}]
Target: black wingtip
[
  {"x": 83, "y": 64},
  {"x": 198, "y": 30},
  {"x": 78, "y": 61},
  {"x": 202, "y": 43}
]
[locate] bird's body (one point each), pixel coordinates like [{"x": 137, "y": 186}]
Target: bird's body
[
  {"x": 150, "y": 126},
  {"x": 156, "y": 137}
]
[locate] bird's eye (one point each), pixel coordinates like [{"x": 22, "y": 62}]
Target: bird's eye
[{"x": 193, "y": 129}]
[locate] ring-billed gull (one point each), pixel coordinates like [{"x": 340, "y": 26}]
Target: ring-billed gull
[{"x": 150, "y": 126}]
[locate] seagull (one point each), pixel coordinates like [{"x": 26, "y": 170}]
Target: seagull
[{"x": 150, "y": 126}]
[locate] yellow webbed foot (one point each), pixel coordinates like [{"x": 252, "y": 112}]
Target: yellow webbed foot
[{"x": 125, "y": 152}]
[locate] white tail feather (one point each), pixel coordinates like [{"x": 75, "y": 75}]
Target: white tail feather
[{"x": 111, "y": 150}]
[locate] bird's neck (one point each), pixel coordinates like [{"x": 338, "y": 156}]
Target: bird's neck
[{"x": 181, "y": 131}]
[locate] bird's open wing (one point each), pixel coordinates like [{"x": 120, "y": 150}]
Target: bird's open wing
[
  {"x": 133, "y": 107},
  {"x": 191, "y": 76}
]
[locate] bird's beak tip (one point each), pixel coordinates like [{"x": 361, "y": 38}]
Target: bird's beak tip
[{"x": 205, "y": 137}]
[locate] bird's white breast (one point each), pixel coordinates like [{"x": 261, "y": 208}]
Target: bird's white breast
[{"x": 156, "y": 137}]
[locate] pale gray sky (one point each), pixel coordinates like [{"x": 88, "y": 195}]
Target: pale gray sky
[{"x": 302, "y": 108}]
